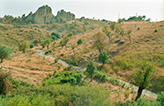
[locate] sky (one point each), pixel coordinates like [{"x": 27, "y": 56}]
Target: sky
[{"x": 99, "y": 9}]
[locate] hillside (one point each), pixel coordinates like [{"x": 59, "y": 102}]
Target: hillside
[
  {"x": 146, "y": 45},
  {"x": 39, "y": 78}
]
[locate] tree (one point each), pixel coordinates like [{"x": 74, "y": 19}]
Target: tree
[
  {"x": 142, "y": 77},
  {"x": 112, "y": 26},
  {"x": 23, "y": 46},
  {"x": 99, "y": 41},
  {"x": 103, "y": 57},
  {"x": 47, "y": 41},
  {"x": 106, "y": 30},
  {"x": 66, "y": 25},
  {"x": 91, "y": 68},
  {"x": 54, "y": 44},
  {"x": 55, "y": 35},
  {"x": 80, "y": 41},
  {"x": 128, "y": 34},
  {"x": 120, "y": 21},
  {"x": 143, "y": 17},
  {"x": 35, "y": 42},
  {"x": 5, "y": 53},
  {"x": 64, "y": 42},
  {"x": 84, "y": 28}
]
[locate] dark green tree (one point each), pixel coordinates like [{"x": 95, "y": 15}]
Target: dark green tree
[
  {"x": 91, "y": 69},
  {"x": 103, "y": 57},
  {"x": 5, "y": 53},
  {"x": 80, "y": 41}
]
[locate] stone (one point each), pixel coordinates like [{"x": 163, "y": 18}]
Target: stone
[{"x": 44, "y": 16}]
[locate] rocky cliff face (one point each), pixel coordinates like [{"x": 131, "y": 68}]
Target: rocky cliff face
[
  {"x": 44, "y": 15},
  {"x": 66, "y": 15}
]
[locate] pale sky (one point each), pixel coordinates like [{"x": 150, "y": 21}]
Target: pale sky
[{"x": 100, "y": 9}]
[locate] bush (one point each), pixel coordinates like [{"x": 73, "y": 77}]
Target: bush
[
  {"x": 156, "y": 30},
  {"x": 64, "y": 42},
  {"x": 70, "y": 34},
  {"x": 55, "y": 35},
  {"x": 5, "y": 86},
  {"x": 101, "y": 76},
  {"x": 28, "y": 60},
  {"x": 5, "y": 53},
  {"x": 80, "y": 41},
  {"x": 103, "y": 57},
  {"x": 62, "y": 54},
  {"x": 48, "y": 51},
  {"x": 90, "y": 69},
  {"x": 138, "y": 28},
  {"x": 56, "y": 60},
  {"x": 23, "y": 46},
  {"x": 114, "y": 81},
  {"x": 31, "y": 46},
  {"x": 160, "y": 98},
  {"x": 126, "y": 94},
  {"x": 64, "y": 77},
  {"x": 5, "y": 28},
  {"x": 162, "y": 62}
]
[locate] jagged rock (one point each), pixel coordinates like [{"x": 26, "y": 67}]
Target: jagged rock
[
  {"x": 65, "y": 15},
  {"x": 44, "y": 16}
]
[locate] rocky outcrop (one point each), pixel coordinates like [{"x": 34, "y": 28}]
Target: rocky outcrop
[
  {"x": 44, "y": 15},
  {"x": 65, "y": 15}
]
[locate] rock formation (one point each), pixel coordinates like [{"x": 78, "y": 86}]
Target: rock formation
[{"x": 44, "y": 16}]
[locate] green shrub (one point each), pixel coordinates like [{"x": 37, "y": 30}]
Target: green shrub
[
  {"x": 28, "y": 60},
  {"x": 31, "y": 46},
  {"x": 162, "y": 62},
  {"x": 156, "y": 30},
  {"x": 5, "y": 86},
  {"x": 101, "y": 76},
  {"x": 62, "y": 54},
  {"x": 69, "y": 68},
  {"x": 48, "y": 51},
  {"x": 70, "y": 34},
  {"x": 91, "y": 68},
  {"x": 80, "y": 41},
  {"x": 103, "y": 57},
  {"x": 138, "y": 28},
  {"x": 160, "y": 98},
  {"x": 64, "y": 77},
  {"x": 126, "y": 94},
  {"x": 114, "y": 81},
  {"x": 5, "y": 28},
  {"x": 56, "y": 60},
  {"x": 55, "y": 36},
  {"x": 5, "y": 53}
]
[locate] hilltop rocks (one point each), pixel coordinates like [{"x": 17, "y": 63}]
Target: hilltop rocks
[
  {"x": 65, "y": 15},
  {"x": 44, "y": 16}
]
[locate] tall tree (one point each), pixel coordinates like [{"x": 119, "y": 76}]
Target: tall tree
[
  {"x": 142, "y": 77},
  {"x": 99, "y": 41},
  {"x": 103, "y": 57}
]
